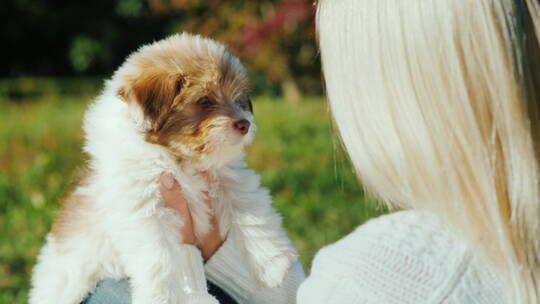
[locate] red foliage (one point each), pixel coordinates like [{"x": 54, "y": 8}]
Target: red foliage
[{"x": 284, "y": 17}]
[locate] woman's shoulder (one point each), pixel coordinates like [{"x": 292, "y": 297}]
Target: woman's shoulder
[
  {"x": 411, "y": 230},
  {"x": 409, "y": 256},
  {"x": 415, "y": 235}
]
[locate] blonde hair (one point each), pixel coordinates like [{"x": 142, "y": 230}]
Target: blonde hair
[{"x": 436, "y": 102}]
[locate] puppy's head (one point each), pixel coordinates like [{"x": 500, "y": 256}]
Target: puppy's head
[{"x": 189, "y": 94}]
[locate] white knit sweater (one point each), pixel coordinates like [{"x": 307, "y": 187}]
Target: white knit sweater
[{"x": 404, "y": 257}]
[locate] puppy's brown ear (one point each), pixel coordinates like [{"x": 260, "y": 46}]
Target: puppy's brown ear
[{"x": 154, "y": 93}]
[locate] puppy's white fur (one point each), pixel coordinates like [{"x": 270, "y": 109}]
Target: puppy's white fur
[{"x": 120, "y": 227}]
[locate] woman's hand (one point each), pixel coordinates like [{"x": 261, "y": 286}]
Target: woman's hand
[{"x": 172, "y": 194}]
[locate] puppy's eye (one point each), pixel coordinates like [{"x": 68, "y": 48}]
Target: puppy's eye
[
  {"x": 205, "y": 102},
  {"x": 247, "y": 106}
]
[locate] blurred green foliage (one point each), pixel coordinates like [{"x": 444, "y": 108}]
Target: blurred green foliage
[
  {"x": 296, "y": 152},
  {"x": 23, "y": 90},
  {"x": 274, "y": 38}
]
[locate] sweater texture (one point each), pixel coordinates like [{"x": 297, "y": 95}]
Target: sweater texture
[{"x": 403, "y": 257}]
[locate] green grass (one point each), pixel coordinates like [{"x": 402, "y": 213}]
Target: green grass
[{"x": 296, "y": 152}]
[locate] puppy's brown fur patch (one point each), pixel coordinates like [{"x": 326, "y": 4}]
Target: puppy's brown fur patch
[{"x": 71, "y": 218}]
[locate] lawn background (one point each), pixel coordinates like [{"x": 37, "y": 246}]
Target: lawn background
[{"x": 297, "y": 152}]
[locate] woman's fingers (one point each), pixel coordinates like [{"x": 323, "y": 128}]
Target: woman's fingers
[
  {"x": 174, "y": 199},
  {"x": 172, "y": 194},
  {"x": 212, "y": 240}
]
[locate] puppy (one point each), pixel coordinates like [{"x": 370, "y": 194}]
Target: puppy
[{"x": 179, "y": 105}]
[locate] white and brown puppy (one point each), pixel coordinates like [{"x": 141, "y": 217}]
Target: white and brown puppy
[{"x": 179, "y": 105}]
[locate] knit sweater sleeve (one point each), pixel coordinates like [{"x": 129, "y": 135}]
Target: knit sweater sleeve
[
  {"x": 226, "y": 268},
  {"x": 405, "y": 257},
  {"x": 325, "y": 288}
]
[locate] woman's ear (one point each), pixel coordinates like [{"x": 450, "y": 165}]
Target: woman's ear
[{"x": 153, "y": 93}]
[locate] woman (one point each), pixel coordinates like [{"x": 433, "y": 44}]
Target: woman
[{"x": 437, "y": 105}]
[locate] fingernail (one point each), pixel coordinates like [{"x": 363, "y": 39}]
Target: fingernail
[{"x": 168, "y": 181}]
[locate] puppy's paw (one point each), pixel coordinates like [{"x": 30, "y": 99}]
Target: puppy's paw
[{"x": 273, "y": 272}]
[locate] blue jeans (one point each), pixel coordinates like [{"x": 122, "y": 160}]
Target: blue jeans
[{"x": 111, "y": 291}]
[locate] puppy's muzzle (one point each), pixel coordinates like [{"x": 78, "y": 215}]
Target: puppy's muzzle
[{"x": 242, "y": 126}]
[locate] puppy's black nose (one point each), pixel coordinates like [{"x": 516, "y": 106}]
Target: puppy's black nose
[{"x": 242, "y": 126}]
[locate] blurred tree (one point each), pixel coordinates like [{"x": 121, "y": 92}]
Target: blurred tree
[
  {"x": 65, "y": 38},
  {"x": 275, "y": 39}
]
